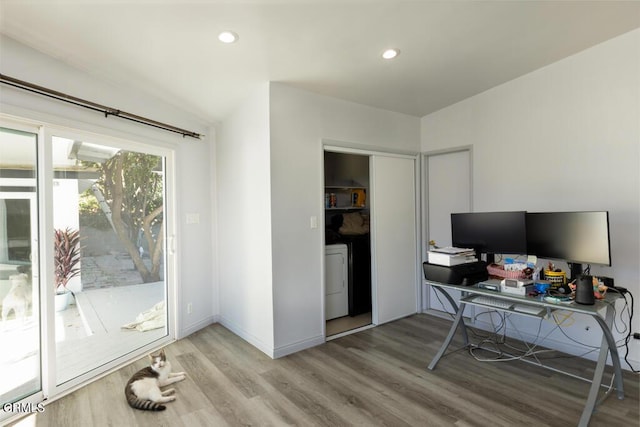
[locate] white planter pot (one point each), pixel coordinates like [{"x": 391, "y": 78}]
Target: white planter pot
[{"x": 62, "y": 301}]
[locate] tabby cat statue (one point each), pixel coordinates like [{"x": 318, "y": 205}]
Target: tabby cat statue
[{"x": 143, "y": 388}]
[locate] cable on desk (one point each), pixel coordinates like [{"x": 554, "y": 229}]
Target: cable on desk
[
  {"x": 529, "y": 352},
  {"x": 567, "y": 316},
  {"x": 628, "y": 337},
  {"x": 560, "y": 324},
  {"x": 437, "y": 294},
  {"x": 495, "y": 329},
  {"x": 625, "y": 328},
  {"x": 535, "y": 341},
  {"x": 624, "y": 342}
]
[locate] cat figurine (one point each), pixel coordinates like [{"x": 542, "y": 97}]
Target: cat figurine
[
  {"x": 19, "y": 297},
  {"x": 143, "y": 388}
]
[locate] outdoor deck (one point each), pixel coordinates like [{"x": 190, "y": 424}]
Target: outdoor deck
[
  {"x": 89, "y": 333},
  {"x": 93, "y": 333}
]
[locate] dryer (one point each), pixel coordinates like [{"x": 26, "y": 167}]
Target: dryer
[{"x": 336, "y": 278}]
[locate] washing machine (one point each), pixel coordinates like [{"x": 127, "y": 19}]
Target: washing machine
[{"x": 336, "y": 277}]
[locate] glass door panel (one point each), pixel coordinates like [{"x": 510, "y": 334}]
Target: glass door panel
[
  {"x": 108, "y": 207},
  {"x": 20, "y": 355}
]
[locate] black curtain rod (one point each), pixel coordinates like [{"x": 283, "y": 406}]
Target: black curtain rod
[{"x": 107, "y": 111}]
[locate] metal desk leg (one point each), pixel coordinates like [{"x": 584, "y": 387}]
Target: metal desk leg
[
  {"x": 611, "y": 344},
  {"x": 608, "y": 346},
  {"x": 457, "y": 322},
  {"x": 455, "y": 307}
]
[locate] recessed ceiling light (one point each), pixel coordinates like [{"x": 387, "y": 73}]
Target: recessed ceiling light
[
  {"x": 228, "y": 37},
  {"x": 390, "y": 53}
]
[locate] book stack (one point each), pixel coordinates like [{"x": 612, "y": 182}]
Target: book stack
[{"x": 451, "y": 256}]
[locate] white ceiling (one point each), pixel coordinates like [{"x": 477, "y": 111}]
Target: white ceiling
[{"x": 450, "y": 50}]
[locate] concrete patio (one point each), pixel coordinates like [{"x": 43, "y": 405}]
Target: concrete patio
[{"x": 89, "y": 333}]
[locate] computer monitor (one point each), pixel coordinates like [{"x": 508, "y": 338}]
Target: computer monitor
[
  {"x": 576, "y": 237},
  {"x": 490, "y": 232}
]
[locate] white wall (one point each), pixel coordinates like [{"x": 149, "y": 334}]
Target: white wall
[
  {"x": 565, "y": 137},
  {"x": 270, "y": 183},
  {"x": 195, "y": 196},
  {"x": 244, "y": 222},
  {"x": 300, "y": 121},
  {"x": 194, "y": 189}
]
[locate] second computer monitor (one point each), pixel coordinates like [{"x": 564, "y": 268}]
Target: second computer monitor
[{"x": 490, "y": 232}]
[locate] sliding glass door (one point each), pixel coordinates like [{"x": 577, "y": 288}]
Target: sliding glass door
[
  {"x": 109, "y": 202},
  {"x": 85, "y": 275},
  {"x": 20, "y": 355}
]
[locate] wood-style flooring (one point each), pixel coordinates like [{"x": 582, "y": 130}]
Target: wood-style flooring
[
  {"x": 370, "y": 378},
  {"x": 347, "y": 323}
]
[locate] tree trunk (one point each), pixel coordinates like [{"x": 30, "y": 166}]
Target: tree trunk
[
  {"x": 155, "y": 246},
  {"x": 119, "y": 224}
]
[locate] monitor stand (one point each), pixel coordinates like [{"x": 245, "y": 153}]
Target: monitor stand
[{"x": 576, "y": 271}]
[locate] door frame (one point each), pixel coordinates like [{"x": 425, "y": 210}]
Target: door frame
[
  {"x": 47, "y": 264},
  {"x": 45, "y": 131},
  {"x": 35, "y": 399},
  {"x": 351, "y": 148}
]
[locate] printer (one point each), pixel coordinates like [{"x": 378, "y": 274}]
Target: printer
[{"x": 468, "y": 273}]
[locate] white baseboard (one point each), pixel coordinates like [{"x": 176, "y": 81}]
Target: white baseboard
[
  {"x": 301, "y": 345},
  {"x": 251, "y": 339},
  {"x": 270, "y": 351},
  {"x": 197, "y": 326}
]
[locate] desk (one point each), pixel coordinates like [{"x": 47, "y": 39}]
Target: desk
[{"x": 608, "y": 343}]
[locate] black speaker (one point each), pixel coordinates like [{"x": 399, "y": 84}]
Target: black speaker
[{"x": 584, "y": 290}]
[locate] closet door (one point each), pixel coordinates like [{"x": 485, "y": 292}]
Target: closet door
[{"x": 394, "y": 237}]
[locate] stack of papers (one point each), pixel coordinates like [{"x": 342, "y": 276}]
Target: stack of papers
[{"x": 450, "y": 256}]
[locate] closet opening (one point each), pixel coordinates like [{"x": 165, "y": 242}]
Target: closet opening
[{"x": 347, "y": 242}]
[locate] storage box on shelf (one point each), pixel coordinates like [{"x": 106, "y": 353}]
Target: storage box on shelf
[{"x": 344, "y": 198}]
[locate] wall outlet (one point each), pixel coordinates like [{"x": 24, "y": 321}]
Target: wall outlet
[{"x": 189, "y": 308}]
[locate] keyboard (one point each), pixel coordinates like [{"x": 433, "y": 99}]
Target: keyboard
[
  {"x": 530, "y": 309},
  {"x": 493, "y": 302}
]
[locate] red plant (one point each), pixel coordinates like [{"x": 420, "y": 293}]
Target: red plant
[{"x": 66, "y": 255}]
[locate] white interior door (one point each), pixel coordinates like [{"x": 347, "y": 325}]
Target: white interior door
[
  {"x": 448, "y": 184},
  {"x": 394, "y": 240}
]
